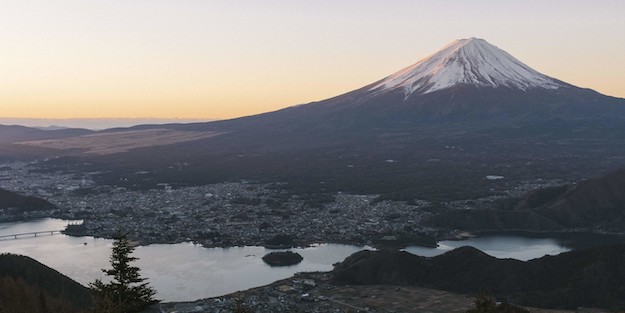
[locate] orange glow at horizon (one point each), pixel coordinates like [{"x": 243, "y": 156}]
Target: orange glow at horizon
[{"x": 218, "y": 60}]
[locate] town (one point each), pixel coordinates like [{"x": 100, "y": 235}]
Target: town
[{"x": 230, "y": 214}]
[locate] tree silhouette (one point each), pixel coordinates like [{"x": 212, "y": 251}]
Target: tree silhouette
[{"x": 127, "y": 291}]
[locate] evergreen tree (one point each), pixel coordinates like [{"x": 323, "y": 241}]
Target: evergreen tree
[{"x": 127, "y": 291}]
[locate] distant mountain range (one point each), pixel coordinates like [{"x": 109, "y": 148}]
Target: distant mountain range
[
  {"x": 16, "y": 133},
  {"x": 93, "y": 123},
  {"x": 433, "y": 130}
]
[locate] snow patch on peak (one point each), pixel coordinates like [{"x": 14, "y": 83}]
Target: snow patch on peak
[{"x": 470, "y": 61}]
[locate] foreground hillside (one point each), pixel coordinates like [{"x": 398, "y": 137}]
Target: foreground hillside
[
  {"x": 582, "y": 278},
  {"x": 27, "y": 286}
]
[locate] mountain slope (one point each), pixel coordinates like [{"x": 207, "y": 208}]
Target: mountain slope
[
  {"x": 10, "y": 134},
  {"x": 469, "y": 61},
  {"x": 592, "y": 204},
  {"x": 58, "y": 289}
]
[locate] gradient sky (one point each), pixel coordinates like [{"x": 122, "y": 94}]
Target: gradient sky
[{"x": 223, "y": 59}]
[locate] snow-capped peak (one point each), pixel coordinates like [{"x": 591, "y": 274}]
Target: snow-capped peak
[{"x": 470, "y": 61}]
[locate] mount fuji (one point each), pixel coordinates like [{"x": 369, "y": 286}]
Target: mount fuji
[{"x": 467, "y": 84}]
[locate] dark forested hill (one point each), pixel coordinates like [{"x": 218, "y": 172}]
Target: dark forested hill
[
  {"x": 596, "y": 203},
  {"x": 29, "y": 286},
  {"x": 13, "y": 206},
  {"x": 590, "y": 278}
]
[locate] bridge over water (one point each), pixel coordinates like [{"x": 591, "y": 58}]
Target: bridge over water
[{"x": 31, "y": 234}]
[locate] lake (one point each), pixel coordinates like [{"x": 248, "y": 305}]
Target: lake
[
  {"x": 179, "y": 272},
  {"x": 185, "y": 272}
]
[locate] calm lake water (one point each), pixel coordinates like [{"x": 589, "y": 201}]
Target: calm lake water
[{"x": 184, "y": 272}]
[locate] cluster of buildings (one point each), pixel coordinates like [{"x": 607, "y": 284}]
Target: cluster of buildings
[
  {"x": 224, "y": 214},
  {"x": 236, "y": 214},
  {"x": 217, "y": 215}
]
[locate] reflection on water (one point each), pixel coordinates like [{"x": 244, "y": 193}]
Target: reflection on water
[
  {"x": 188, "y": 271},
  {"x": 31, "y": 226}
]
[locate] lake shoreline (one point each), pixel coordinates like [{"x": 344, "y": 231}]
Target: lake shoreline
[{"x": 180, "y": 271}]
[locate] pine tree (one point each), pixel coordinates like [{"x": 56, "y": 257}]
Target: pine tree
[{"x": 127, "y": 292}]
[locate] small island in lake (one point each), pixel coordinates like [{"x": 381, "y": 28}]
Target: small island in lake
[{"x": 282, "y": 258}]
